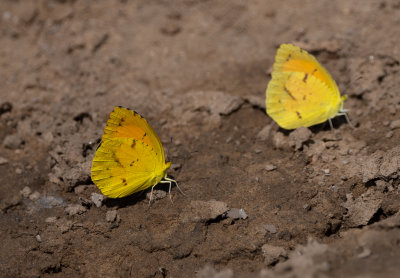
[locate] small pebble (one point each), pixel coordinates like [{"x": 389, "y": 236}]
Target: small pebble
[
  {"x": 270, "y": 167},
  {"x": 395, "y": 124},
  {"x": 111, "y": 215},
  {"x": 18, "y": 171},
  {"x": 389, "y": 134},
  {"x": 327, "y": 172},
  {"x": 75, "y": 209},
  {"x": 26, "y": 191},
  {"x": 97, "y": 199},
  {"x": 38, "y": 238},
  {"x": 177, "y": 143},
  {"x": 50, "y": 219},
  {"x": 306, "y": 207},
  {"x": 13, "y": 141},
  {"x": 34, "y": 196},
  {"x": 3, "y": 160},
  {"x": 270, "y": 228},
  {"x": 79, "y": 189},
  {"x": 365, "y": 253}
]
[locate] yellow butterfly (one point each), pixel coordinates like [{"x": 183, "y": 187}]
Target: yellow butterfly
[
  {"x": 301, "y": 91},
  {"x": 130, "y": 157}
]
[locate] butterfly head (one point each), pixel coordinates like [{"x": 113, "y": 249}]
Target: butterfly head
[{"x": 162, "y": 173}]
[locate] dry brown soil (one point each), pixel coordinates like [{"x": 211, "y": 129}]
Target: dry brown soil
[{"x": 319, "y": 202}]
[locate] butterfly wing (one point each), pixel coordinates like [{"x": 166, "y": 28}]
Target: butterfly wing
[
  {"x": 290, "y": 58},
  {"x": 122, "y": 166},
  {"x": 293, "y": 102},
  {"x": 301, "y": 92},
  {"x": 124, "y": 122}
]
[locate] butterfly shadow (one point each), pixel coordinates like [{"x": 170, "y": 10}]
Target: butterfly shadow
[
  {"x": 135, "y": 198},
  {"x": 337, "y": 122},
  {"x": 127, "y": 201}
]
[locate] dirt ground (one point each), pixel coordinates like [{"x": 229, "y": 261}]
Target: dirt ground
[{"x": 259, "y": 201}]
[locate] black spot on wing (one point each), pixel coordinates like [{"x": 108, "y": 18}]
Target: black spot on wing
[
  {"x": 124, "y": 182},
  {"x": 289, "y": 93},
  {"x": 299, "y": 115},
  {"x": 305, "y": 78}
]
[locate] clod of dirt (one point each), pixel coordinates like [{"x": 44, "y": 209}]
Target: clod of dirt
[
  {"x": 264, "y": 134},
  {"x": 372, "y": 69},
  {"x": 216, "y": 102},
  {"x": 201, "y": 211},
  {"x": 256, "y": 101},
  {"x": 272, "y": 254},
  {"x": 209, "y": 272},
  {"x": 26, "y": 191},
  {"x": 65, "y": 226},
  {"x": 303, "y": 262},
  {"x": 361, "y": 210},
  {"x": 13, "y": 141},
  {"x": 7, "y": 204},
  {"x": 381, "y": 165},
  {"x": 236, "y": 213},
  {"x": 156, "y": 195},
  {"x": 97, "y": 199},
  {"x": 112, "y": 216},
  {"x": 207, "y": 106},
  {"x": 280, "y": 141},
  {"x": 34, "y": 196},
  {"x": 75, "y": 209},
  {"x": 77, "y": 175},
  {"x": 3, "y": 160},
  {"x": 298, "y": 137},
  {"x": 79, "y": 189}
]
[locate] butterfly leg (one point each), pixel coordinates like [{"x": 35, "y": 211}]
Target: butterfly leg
[
  {"x": 330, "y": 123},
  {"x": 169, "y": 190},
  {"x": 151, "y": 194},
  {"x": 174, "y": 181}
]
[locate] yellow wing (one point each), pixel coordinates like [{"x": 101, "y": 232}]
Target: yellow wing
[
  {"x": 301, "y": 92},
  {"x": 124, "y": 122},
  {"x": 290, "y": 58},
  {"x": 122, "y": 166}
]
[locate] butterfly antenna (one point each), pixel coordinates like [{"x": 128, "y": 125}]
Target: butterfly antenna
[
  {"x": 348, "y": 120},
  {"x": 344, "y": 113},
  {"x": 176, "y": 183}
]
